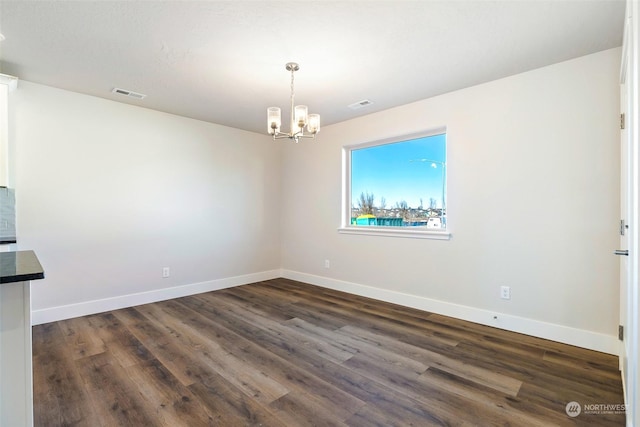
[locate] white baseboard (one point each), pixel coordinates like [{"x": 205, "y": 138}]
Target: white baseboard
[
  {"x": 564, "y": 334},
  {"x": 578, "y": 337},
  {"x": 53, "y": 314}
]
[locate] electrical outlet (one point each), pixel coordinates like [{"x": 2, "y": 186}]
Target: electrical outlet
[
  {"x": 166, "y": 272},
  {"x": 505, "y": 292},
  {"x": 327, "y": 263}
]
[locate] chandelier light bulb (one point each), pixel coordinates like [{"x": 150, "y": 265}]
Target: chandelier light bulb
[
  {"x": 313, "y": 126},
  {"x": 301, "y": 115},
  {"x": 274, "y": 120}
]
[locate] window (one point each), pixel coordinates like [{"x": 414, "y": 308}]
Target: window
[{"x": 397, "y": 187}]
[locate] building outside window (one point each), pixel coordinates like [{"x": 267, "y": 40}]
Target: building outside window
[{"x": 397, "y": 184}]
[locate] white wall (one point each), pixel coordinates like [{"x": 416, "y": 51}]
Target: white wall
[
  {"x": 533, "y": 203},
  {"x": 108, "y": 194}
]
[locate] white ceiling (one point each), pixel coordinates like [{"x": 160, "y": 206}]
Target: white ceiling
[{"x": 223, "y": 61}]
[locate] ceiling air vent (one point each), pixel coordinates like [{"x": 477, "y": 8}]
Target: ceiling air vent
[
  {"x": 128, "y": 93},
  {"x": 360, "y": 104}
]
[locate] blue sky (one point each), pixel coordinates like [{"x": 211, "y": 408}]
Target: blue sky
[{"x": 407, "y": 170}]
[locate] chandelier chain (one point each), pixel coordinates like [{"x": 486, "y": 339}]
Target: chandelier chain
[
  {"x": 292, "y": 120},
  {"x": 292, "y": 94}
]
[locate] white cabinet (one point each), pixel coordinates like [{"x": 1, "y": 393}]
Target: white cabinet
[{"x": 17, "y": 269}]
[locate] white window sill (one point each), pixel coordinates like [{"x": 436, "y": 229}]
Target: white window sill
[{"x": 396, "y": 232}]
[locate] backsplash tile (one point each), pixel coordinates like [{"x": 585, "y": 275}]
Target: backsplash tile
[{"x": 7, "y": 214}]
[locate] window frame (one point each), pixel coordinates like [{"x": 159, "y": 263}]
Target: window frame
[{"x": 408, "y": 232}]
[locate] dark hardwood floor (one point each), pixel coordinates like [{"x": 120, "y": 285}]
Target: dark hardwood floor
[{"x": 284, "y": 353}]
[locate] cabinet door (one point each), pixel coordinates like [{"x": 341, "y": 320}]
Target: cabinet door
[{"x": 16, "y": 381}]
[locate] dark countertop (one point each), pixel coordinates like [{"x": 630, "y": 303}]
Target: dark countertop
[{"x": 19, "y": 266}]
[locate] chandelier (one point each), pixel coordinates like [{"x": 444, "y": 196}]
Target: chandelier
[{"x": 299, "y": 117}]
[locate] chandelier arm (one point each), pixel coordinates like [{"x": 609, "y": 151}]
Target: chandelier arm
[
  {"x": 281, "y": 135},
  {"x": 295, "y": 136}
]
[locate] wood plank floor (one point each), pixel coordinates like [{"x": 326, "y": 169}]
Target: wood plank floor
[{"x": 284, "y": 353}]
